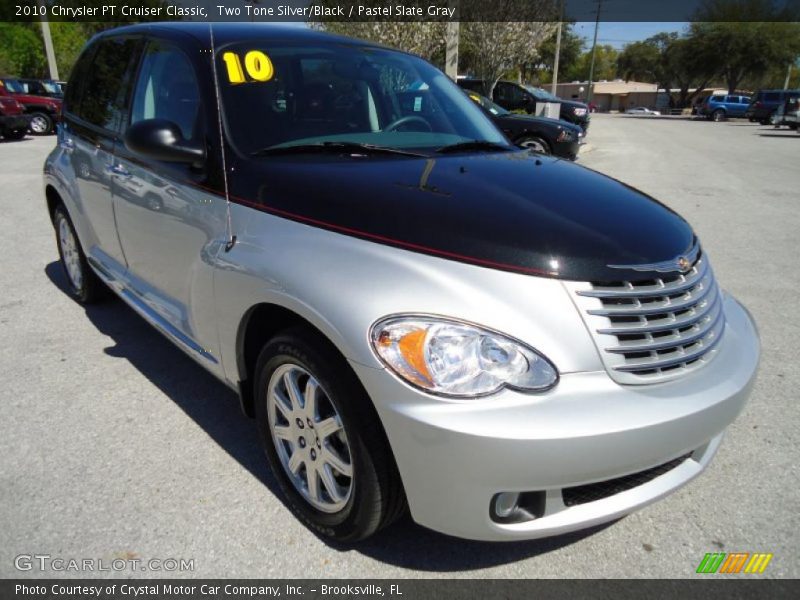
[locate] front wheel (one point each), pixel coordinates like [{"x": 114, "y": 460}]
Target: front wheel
[
  {"x": 534, "y": 143},
  {"x": 323, "y": 439},
  {"x": 84, "y": 285},
  {"x": 41, "y": 123},
  {"x": 718, "y": 115}
]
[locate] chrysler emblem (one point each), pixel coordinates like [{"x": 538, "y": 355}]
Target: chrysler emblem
[{"x": 682, "y": 264}]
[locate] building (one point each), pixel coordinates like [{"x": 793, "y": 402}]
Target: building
[{"x": 617, "y": 95}]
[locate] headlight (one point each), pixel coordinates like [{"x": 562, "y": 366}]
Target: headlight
[
  {"x": 457, "y": 359},
  {"x": 565, "y": 136}
]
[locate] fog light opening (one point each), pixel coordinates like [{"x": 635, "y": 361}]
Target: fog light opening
[{"x": 517, "y": 507}]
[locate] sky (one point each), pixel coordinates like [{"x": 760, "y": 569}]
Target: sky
[{"x": 617, "y": 34}]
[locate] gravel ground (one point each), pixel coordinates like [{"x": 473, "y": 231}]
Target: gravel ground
[{"x": 116, "y": 445}]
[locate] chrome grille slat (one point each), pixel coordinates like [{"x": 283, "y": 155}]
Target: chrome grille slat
[
  {"x": 684, "y": 282},
  {"x": 663, "y": 324},
  {"x": 714, "y": 338},
  {"x": 655, "y": 330},
  {"x": 660, "y": 307},
  {"x": 671, "y": 342}
]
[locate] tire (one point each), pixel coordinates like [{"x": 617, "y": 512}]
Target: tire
[
  {"x": 83, "y": 284},
  {"x": 764, "y": 121},
  {"x": 17, "y": 134},
  {"x": 793, "y": 126},
  {"x": 534, "y": 143},
  {"x": 371, "y": 497},
  {"x": 41, "y": 123},
  {"x": 718, "y": 115}
]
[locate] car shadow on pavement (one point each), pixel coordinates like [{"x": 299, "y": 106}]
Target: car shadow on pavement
[
  {"x": 215, "y": 408},
  {"x": 787, "y": 135}
]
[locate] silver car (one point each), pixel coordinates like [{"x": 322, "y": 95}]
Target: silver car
[{"x": 417, "y": 314}]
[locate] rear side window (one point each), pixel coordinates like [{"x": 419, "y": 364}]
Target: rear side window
[
  {"x": 107, "y": 83},
  {"x": 772, "y": 97},
  {"x": 167, "y": 89}
]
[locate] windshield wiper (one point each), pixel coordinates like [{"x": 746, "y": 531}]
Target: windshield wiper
[
  {"x": 473, "y": 145},
  {"x": 334, "y": 148}
]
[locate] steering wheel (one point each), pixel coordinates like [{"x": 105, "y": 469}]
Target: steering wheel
[{"x": 405, "y": 120}]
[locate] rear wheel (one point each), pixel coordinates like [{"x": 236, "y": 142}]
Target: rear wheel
[
  {"x": 84, "y": 285},
  {"x": 534, "y": 143},
  {"x": 41, "y": 123},
  {"x": 764, "y": 121},
  {"x": 323, "y": 439},
  {"x": 718, "y": 115}
]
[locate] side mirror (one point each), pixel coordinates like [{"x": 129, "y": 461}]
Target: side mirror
[{"x": 161, "y": 139}]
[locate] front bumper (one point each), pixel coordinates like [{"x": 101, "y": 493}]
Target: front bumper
[
  {"x": 14, "y": 122},
  {"x": 455, "y": 456},
  {"x": 568, "y": 150}
]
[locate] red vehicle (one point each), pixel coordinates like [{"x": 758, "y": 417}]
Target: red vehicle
[
  {"x": 43, "y": 112},
  {"x": 13, "y": 120}
]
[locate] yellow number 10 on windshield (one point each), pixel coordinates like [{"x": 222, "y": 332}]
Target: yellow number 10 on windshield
[{"x": 257, "y": 65}]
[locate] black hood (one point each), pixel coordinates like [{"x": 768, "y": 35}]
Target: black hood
[{"x": 514, "y": 211}]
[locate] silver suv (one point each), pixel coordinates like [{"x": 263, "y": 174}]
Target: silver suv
[{"x": 417, "y": 313}]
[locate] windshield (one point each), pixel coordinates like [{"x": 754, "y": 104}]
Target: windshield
[
  {"x": 541, "y": 94},
  {"x": 14, "y": 86},
  {"x": 483, "y": 101},
  {"x": 284, "y": 96}
]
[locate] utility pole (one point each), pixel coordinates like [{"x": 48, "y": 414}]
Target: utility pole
[
  {"x": 48, "y": 44},
  {"x": 558, "y": 49},
  {"x": 452, "y": 34},
  {"x": 555, "y": 62},
  {"x": 788, "y": 77},
  {"x": 590, "y": 92}
]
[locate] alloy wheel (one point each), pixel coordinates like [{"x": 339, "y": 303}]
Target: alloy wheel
[
  {"x": 309, "y": 438},
  {"x": 69, "y": 253},
  {"x": 39, "y": 124},
  {"x": 535, "y": 145}
]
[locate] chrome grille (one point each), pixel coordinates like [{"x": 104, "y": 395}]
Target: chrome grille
[{"x": 651, "y": 331}]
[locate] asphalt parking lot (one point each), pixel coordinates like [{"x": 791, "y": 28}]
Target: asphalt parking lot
[{"x": 113, "y": 444}]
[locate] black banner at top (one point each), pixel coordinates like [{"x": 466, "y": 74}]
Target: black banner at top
[{"x": 400, "y": 10}]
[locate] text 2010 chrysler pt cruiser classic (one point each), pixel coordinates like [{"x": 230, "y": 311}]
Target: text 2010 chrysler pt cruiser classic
[{"x": 416, "y": 312}]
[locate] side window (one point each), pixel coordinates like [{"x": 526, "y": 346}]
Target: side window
[
  {"x": 107, "y": 83},
  {"x": 167, "y": 89},
  {"x": 771, "y": 97}
]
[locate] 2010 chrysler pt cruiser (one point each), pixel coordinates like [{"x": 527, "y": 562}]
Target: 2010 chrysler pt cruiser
[{"x": 416, "y": 312}]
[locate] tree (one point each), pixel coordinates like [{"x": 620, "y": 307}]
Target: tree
[
  {"x": 498, "y": 44},
  {"x": 744, "y": 39},
  {"x": 605, "y": 65},
  {"x": 425, "y": 39},
  {"x": 571, "y": 49},
  {"x": 21, "y": 51}
]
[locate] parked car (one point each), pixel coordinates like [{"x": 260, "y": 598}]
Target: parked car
[
  {"x": 642, "y": 110},
  {"x": 44, "y": 112},
  {"x": 722, "y": 106},
  {"x": 517, "y": 97},
  {"x": 42, "y": 87},
  {"x": 13, "y": 120},
  {"x": 540, "y": 134},
  {"x": 765, "y": 103},
  {"x": 415, "y": 311},
  {"x": 786, "y": 112}
]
